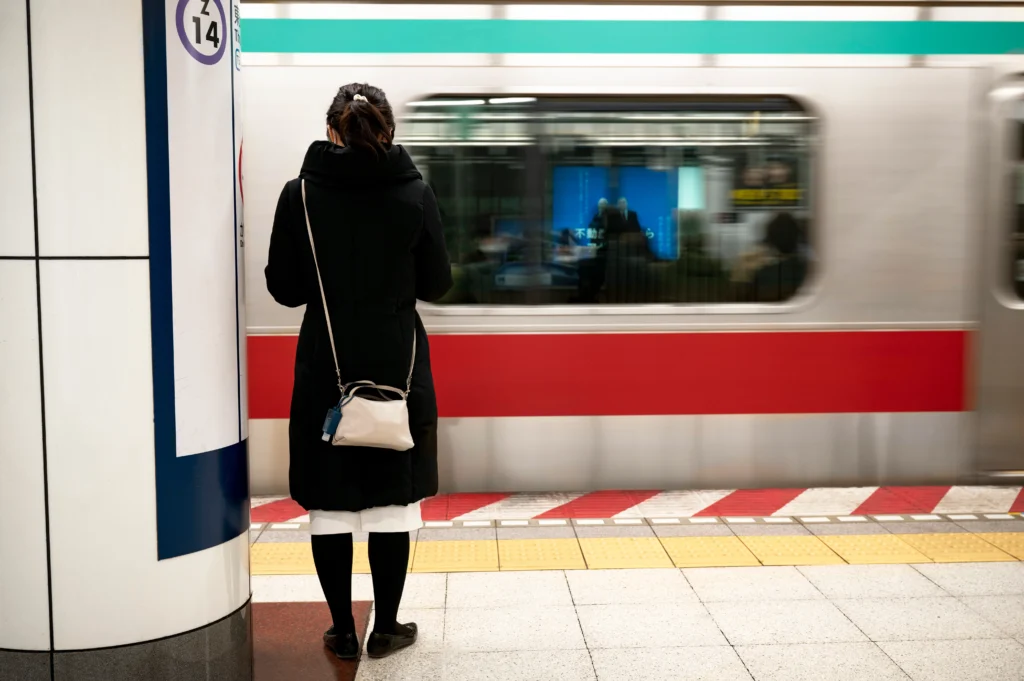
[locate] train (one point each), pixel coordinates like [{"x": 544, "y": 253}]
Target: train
[{"x": 818, "y": 274}]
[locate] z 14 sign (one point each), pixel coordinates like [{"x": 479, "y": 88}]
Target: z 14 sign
[{"x": 201, "y": 28}]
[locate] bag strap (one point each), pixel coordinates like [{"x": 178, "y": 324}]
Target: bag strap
[{"x": 327, "y": 314}]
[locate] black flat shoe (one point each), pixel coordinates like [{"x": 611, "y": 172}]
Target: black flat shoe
[
  {"x": 382, "y": 645},
  {"x": 345, "y": 647}
]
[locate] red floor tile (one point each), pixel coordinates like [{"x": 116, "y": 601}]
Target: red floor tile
[
  {"x": 288, "y": 643},
  {"x": 605, "y": 504},
  {"x": 752, "y": 502},
  {"x": 435, "y": 508},
  {"x": 902, "y": 500},
  {"x": 276, "y": 512},
  {"x": 1018, "y": 504},
  {"x": 461, "y": 504}
]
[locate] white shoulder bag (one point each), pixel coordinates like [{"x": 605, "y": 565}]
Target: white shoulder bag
[{"x": 373, "y": 419}]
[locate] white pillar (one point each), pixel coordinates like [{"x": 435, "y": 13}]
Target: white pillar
[{"x": 124, "y": 504}]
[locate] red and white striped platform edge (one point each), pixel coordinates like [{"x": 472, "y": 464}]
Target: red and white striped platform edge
[{"x": 797, "y": 503}]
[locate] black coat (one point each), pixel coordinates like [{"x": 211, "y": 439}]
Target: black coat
[{"x": 380, "y": 247}]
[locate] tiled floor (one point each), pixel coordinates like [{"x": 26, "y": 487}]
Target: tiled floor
[
  {"x": 923, "y": 622},
  {"x": 925, "y": 586}
]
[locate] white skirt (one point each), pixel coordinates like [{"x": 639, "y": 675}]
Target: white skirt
[{"x": 377, "y": 519}]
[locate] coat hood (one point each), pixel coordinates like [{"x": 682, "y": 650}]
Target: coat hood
[{"x": 329, "y": 164}]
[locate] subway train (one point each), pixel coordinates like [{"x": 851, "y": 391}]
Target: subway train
[{"x": 694, "y": 246}]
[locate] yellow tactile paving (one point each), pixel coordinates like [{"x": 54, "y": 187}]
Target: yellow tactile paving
[
  {"x": 955, "y": 548},
  {"x": 708, "y": 552},
  {"x": 478, "y": 555},
  {"x": 624, "y": 552},
  {"x": 540, "y": 554},
  {"x": 873, "y": 548},
  {"x": 361, "y": 558},
  {"x": 791, "y": 550},
  {"x": 1010, "y": 542},
  {"x": 271, "y": 558}
]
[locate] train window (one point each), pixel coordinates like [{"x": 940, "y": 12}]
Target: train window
[{"x": 613, "y": 200}]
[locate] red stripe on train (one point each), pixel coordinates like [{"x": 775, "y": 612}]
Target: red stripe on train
[{"x": 672, "y": 373}]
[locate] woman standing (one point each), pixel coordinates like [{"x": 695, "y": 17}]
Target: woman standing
[{"x": 380, "y": 247}]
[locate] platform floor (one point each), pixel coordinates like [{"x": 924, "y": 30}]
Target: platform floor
[
  {"x": 929, "y": 622},
  {"x": 909, "y": 592}
]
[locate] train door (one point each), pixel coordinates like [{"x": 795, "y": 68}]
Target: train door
[{"x": 999, "y": 352}]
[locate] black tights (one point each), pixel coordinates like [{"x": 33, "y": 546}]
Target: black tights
[{"x": 389, "y": 560}]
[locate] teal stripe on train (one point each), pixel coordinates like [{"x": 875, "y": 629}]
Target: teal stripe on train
[{"x": 500, "y": 36}]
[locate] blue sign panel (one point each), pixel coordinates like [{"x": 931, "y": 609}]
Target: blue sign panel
[{"x": 202, "y": 488}]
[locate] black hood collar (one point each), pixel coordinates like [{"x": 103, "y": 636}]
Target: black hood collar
[{"x": 330, "y": 164}]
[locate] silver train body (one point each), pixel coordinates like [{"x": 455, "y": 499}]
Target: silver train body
[{"x": 912, "y": 210}]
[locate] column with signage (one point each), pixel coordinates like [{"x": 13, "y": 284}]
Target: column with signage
[{"x": 124, "y": 500}]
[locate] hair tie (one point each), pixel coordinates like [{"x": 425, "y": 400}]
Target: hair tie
[{"x": 359, "y": 98}]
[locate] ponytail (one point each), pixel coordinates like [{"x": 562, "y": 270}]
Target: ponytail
[{"x": 362, "y": 118}]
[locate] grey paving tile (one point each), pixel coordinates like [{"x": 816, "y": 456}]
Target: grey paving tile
[
  {"x": 431, "y": 627},
  {"x": 870, "y": 581},
  {"x": 602, "y": 531},
  {"x": 686, "y": 530},
  {"x": 565, "y": 532},
  {"x": 605, "y": 587},
  {"x": 976, "y": 579},
  {"x": 409, "y": 665},
  {"x": 505, "y": 589},
  {"x": 841, "y": 528},
  {"x": 283, "y": 537},
  {"x": 534, "y": 665},
  {"x": 362, "y": 588},
  {"x": 771, "y": 530},
  {"x": 923, "y": 527},
  {"x": 515, "y": 628},
  {"x": 423, "y": 591},
  {"x": 819, "y": 661},
  {"x": 657, "y": 626},
  {"x": 1016, "y": 525},
  {"x": 750, "y": 584},
  {"x": 456, "y": 533},
  {"x": 717, "y": 663},
  {"x": 773, "y": 622},
  {"x": 917, "y": 619},
  {"x": 1006, "y": 612},
  {"x": 992, "y": 660},
  {"x": 289, "y": 588}
]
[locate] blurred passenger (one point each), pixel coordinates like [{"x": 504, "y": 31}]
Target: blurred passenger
[
  {"x": 751, "y": 260},
  {"x": 617, "y": 230},
  {"x": 380, "y": 247},
  {"x": 629, "y": 221},
  {"x": 598, "y": 225},
  {"x": 625, "y": 229},
  {"x": 592, "y": 270},
  {"x": 780, "y": 266}
]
